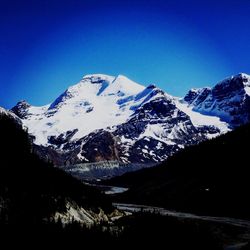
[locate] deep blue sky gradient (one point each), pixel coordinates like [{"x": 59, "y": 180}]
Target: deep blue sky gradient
[{"x": 47, "y": 45}]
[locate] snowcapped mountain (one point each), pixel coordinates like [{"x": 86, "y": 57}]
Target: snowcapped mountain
[
  {"x": 89, "y": 105},
  {"x": 106, "y": 118},
  {"x": 229, "y": 100}
]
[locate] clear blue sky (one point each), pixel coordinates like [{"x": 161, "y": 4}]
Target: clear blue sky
[{"x": 47, "y": 45}]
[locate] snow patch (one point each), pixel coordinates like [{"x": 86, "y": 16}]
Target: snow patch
[{"x": 199, "y": 119}]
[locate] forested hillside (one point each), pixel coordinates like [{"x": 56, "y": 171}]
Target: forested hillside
[
  {"x": 209, "y": 178},
  {"x": 31, "y": 190}
]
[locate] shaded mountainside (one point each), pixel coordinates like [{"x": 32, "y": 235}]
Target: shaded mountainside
[
  {"x": 32, "y": 191},
  {"x": 210, "y": 178}
]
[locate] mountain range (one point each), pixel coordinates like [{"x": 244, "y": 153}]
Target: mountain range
[{"x": 113, "y": 119}]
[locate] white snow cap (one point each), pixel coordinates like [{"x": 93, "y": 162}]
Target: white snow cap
[{"x": 91, "y": 104}]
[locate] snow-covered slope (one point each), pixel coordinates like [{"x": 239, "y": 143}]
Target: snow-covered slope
[
  {"x": 229, "y": 100},
  {"x": 200, "y": 120},
  {"x": 93, "y": 103}
]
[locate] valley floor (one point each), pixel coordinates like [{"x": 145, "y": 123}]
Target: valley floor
[
  {"x": 162, "y": 211},
  {"x": 235, "y": 241}
]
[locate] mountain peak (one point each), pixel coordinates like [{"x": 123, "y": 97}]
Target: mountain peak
[
  {"x": 197, "y": 94},
  {"x": 3, "y": 111},
  {"x": 236, "y": 83},
  {"x": 20, "y": 109},
  {"x": 123, "y": 86},
  {"x": 93, "y": 86},
  {"x": 228, "y": 99},
  {"x": 107, "y": 85},
  {"x": 97, "y": 78},
  {"x": 23, "y": 103},
  {"x": 10, "y": 114},
  {"x": 151, "y": 86},
  {"x": 243, "y": 75}
]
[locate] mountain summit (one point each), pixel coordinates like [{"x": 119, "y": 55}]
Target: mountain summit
[
  {"x": 107, "y": 118},
  {"x": 89, "y": 105}
]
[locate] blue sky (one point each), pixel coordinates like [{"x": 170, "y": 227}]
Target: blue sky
[{"x": 47, "y": 45}]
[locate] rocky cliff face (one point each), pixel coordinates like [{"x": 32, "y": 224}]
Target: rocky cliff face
[
  {"x": 11, "y": 115},
  {"x": 229, "y": 100}
]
